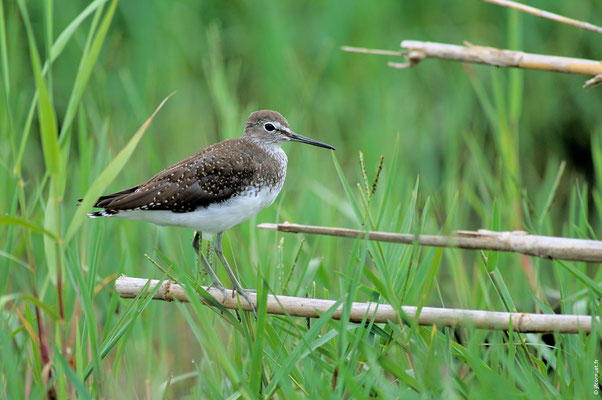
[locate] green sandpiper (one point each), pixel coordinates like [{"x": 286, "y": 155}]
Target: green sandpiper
[{"x": 215, "y": 189}]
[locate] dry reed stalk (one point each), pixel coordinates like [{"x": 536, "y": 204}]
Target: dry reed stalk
[
  {"x": 516, "y": 241},
  {"x": 312, "y": 308},
  {"x": 416, "y": 51}
]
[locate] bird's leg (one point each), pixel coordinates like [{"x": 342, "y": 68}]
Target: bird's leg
[
  {"x": 235, "y": 284},
  {"x": 197, "y": 248},
  {"x": 215, "y": 282}
]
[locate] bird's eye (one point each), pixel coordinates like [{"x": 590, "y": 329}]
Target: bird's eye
[{"x": 269, "y": 127}]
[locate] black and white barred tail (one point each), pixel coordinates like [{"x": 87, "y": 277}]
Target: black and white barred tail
[{"x": 103, "y": 213}]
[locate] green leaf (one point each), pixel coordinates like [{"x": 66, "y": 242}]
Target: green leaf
[
  {"x": 310, "y": 341},
  {"x": 85, "y": 68},
  {"x": 73, "y": 378},
  {"x": 10, "y": 220},
  {"x": 587, "y": 281},
  {"x": 4, "y": 53},
  {"x": 493, "y": 256},
  {"x": 348, "y": 191},
  {"x": 47, "y": 118},
  {"x": 76, "y": 276},
  {"x": 55, "y": 51},
  {"x": 125, "y": 325},
  {"x": 258, "y": 351},
  {"x": 552, "y": 194},
  {"x": 64, "y": 37}
]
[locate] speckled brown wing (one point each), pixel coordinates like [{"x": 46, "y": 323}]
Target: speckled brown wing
[{"x": 198, "y": 181}]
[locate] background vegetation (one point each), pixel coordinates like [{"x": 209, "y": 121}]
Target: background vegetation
[{"x": 465, "y": 147}]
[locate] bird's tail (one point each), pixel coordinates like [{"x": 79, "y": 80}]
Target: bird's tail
[
  {"x": 104, "y": 201},
  {"x": 102, "y": 213}
]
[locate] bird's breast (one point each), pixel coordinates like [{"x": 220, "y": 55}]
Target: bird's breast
[{"x": 271, "y": 173}]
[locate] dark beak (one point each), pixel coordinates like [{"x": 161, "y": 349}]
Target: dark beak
[{"x": 302, "y": 139}]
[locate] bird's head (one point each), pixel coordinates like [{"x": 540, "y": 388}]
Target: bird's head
[{"x": 269, "y": 127}]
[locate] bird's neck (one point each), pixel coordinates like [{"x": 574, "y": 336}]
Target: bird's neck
[{"x": 271, "y": 148}]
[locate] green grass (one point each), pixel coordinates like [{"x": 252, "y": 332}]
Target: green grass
[{"x": 462, "y": 148}]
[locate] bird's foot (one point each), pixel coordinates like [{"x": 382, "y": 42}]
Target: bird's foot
[
  {"x": 245, "y": 294},
  {"x": 218, "y": 285}
]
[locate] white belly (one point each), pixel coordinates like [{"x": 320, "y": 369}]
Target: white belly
[{"x": 215, "y": 218}]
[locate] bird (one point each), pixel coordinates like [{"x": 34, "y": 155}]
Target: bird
[{"x": 214, "y": 189}]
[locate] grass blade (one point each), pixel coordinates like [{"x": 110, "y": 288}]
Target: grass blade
[
  {"x": 348, "y": 191},
  {"x": 587, "y": 281},
  {"x": 3, "y": 52},
  {"x": 67, "y": 33},
  {"x": 10, "y": 220},
  {"x": 47, "y": 117},
  {"x": 552, "y": 194},
  {"x": 85, "y": 68},
  {"x": 300, "y": 350}
]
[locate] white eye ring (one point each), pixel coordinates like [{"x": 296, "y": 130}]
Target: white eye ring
[{"x": 269, "y": 127}]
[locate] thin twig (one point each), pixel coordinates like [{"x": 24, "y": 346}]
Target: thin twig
[
  {"x": 372, "y": 51},
  {"x": 545, "y": 14},
  {"x": 312, "y": 308},
  {"x": 517, "y": 241},
  {"x": 595, "y": 81}
]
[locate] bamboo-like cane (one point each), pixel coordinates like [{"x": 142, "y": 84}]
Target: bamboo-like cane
[
  {"x": 502, "y": 58},
  {"x": 416, "y": 51},
  {"x": 517, "y": 241},
  {"x": 312, "y": 308}
]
